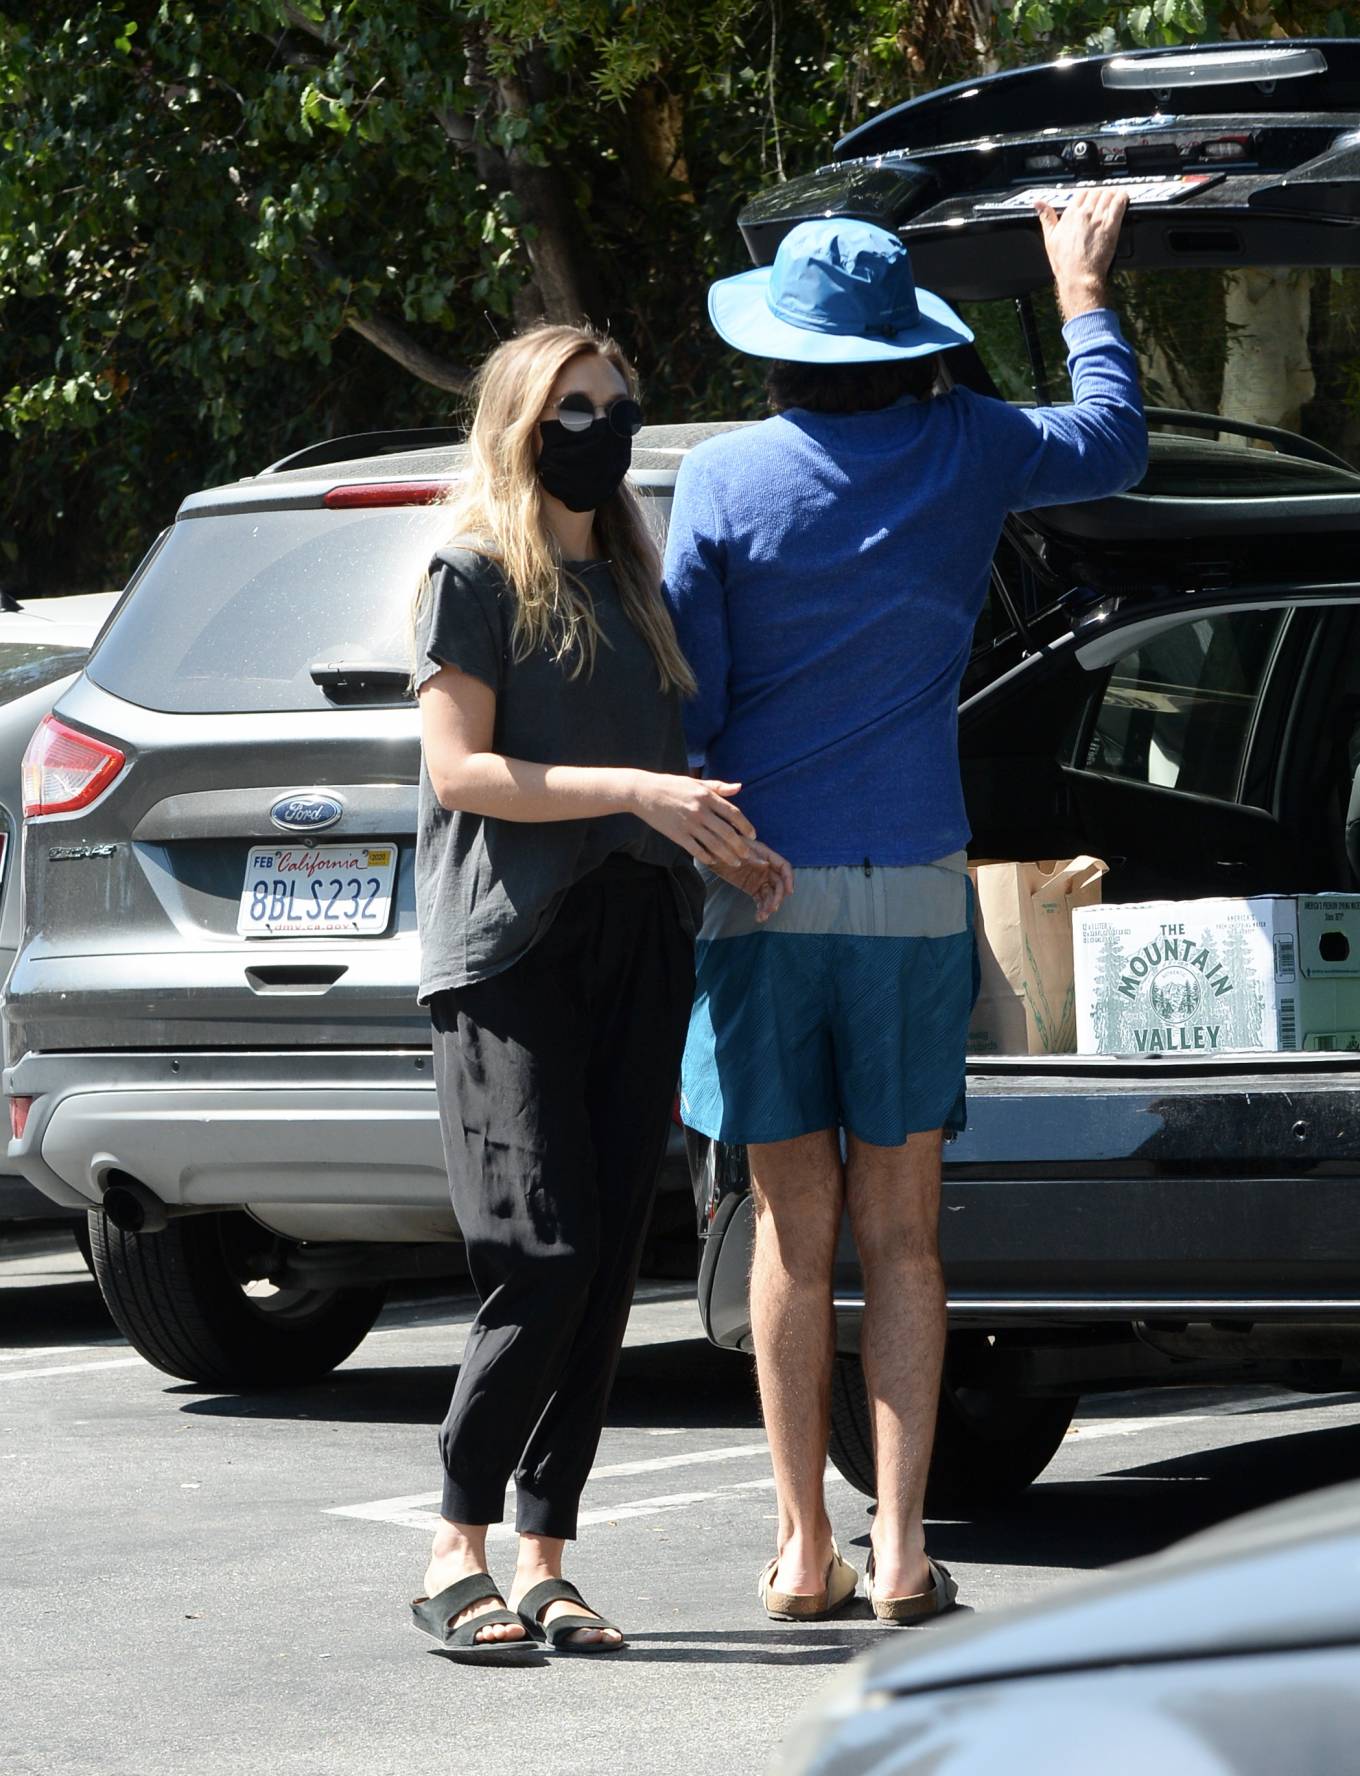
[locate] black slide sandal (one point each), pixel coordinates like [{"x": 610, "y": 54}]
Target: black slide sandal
[
  {"x": 436, "y": 1615},
  {"x": 558, "y": 1633}
]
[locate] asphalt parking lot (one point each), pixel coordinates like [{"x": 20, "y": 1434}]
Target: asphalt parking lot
[{"x": 213, "y": 1583}]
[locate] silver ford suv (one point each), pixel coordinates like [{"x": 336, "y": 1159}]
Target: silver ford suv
[{"x": 212, "y": 1020}]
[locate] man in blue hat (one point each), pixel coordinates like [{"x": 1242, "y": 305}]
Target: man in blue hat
[{"x": 826, "y": 569}]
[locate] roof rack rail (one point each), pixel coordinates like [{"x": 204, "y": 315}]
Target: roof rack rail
[{"x": 360, "y": 444}]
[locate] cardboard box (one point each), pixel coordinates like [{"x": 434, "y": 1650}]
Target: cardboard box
[
  {"x": 1329, "y": 971},
  {"x": 1187, "y": 977}
]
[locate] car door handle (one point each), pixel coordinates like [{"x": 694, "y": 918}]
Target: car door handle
[
  {"x": 1231, "y": 866},
  {"x": 293, "y": 977}
]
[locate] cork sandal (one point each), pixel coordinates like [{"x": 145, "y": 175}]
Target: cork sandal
[
  {"x": 921, "y": 1605},
  {"x": 796, "y": 1606}
]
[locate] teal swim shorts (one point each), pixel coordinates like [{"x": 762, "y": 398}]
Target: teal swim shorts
[{"x": 848, "y": 1009}]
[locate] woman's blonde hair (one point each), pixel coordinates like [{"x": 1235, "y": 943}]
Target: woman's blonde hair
[{"x": 496, "y": 508}]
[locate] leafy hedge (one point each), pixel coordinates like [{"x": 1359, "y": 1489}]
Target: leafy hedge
[{"x": 227, "y": 229}]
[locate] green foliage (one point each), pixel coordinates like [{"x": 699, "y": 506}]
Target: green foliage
[{"x": 218, "y": 222}]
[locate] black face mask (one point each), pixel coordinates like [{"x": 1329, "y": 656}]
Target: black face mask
[{"x": 583, "y": 468}]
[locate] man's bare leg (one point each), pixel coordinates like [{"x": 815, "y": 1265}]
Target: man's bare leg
[
  {"x": 799, "y": 1192},
  {"x": 893, "y": 1194}
]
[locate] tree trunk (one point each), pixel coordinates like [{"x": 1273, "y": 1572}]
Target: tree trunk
[
  {"x": 552, "y": 230},
  {"x": 1170, "y": 383},
  {"x": 1267, "y": 372},
  {"x": 982, "y": 13},
  {"x": 658, "y": 129}
]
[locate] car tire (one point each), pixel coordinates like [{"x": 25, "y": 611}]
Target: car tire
[
  {"x": 989, "y": 1444},
  {"x": 185, "y": 1299},
  {"x": 80, "y": 1233}
]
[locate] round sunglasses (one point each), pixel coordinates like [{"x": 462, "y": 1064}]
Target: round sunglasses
[{"x": 577, "y": 413}]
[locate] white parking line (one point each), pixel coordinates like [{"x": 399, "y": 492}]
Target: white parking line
[
  {"x": 656, "y": 1463},
  {"x": 57, "y": 1350},
  {"x": 76, "y": 1369},
  {"x": 413, "y": 1509},
  {"x": 1130, "y": 1427},
  {"x": 648, "y": 1507},
  {"x": 417, "y": 1510},
  {"x": 1086, "y": 1430}
]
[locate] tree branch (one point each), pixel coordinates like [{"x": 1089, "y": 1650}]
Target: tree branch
[
  {"x": 396, "y": 343},
  {"x": 299, "y": 19},
  {"x": 393, "y": 340},
  {"x": 563, "y": 276}
]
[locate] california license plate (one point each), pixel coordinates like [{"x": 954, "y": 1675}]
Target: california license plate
[
  {"x": 317, "y": 891},
  {"x": 1170, "y": 188}
]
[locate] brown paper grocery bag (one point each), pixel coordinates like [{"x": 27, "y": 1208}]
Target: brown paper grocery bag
[{"x": 1026, "y": 1002}]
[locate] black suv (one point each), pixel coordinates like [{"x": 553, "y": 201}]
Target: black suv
[{"x": 1169, "y": 679}]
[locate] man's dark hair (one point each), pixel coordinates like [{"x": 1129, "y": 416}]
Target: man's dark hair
[{"x": 850, "y": 388}]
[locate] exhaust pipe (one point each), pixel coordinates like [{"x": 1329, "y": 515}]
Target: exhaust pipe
[{"x": 133, "y": 1208}]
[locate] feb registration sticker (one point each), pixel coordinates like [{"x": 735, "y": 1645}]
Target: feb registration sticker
[{"x": 317, "y": 891}]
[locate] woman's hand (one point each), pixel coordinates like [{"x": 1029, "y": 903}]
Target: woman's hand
[
  {"x": 696, "y": 813},
  {"x": 767, "y": 878}
]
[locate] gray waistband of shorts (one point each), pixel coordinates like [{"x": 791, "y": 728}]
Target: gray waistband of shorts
[{"x": 913, "y": 900}]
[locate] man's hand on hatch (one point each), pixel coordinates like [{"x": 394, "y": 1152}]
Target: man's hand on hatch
[{"x": 1080, "y": 244}]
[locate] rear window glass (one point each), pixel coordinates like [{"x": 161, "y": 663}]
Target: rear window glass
[
  {"x": 29, "y": 665},
  {"x": 237, "y": 608},
  {"x": 1272, "y": 352}
]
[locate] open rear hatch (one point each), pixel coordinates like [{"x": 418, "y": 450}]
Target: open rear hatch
[{"x": 1243, "y": 154}]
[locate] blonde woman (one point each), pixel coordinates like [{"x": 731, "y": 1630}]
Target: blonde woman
[{"x": 558, "y": 898}]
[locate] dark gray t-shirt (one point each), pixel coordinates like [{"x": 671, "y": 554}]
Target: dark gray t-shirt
[{"x": 487, "y": 889}]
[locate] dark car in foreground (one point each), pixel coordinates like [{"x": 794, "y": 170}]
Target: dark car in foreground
[
  {"x": 1169, "y": 680},
  {"x": 1234, "y": 1653}
]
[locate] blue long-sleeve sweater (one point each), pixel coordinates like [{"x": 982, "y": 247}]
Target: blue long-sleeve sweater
[{"x": 825, "y": 573}]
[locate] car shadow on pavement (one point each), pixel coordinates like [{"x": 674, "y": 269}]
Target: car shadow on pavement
[
  {"x": 1129, "y": 1511},
  {"x": 54, "y": 1309},
  {"x": 685, "y": 1384},
  {"x": 816, "y": 1644}
]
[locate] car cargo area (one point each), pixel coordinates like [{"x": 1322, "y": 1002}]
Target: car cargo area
[{"x": 1201, "y": 739}]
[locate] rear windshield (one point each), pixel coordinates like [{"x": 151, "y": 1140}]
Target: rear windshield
[
  {"x": 237, "y": 608},
  {"x": 1270, "y": 352},
  {"x": 29, "y": 665}
]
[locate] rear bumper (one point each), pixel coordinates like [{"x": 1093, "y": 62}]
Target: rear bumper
[
  {"x": 351, "y": 1130},
  {"x": 1230, "y": 1197}
]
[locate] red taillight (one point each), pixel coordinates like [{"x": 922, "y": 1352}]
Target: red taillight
[
  {"x": 64, "y": 771},
  {"x": 387, "y": 493},
  {"x": 18, "y": 1116},
  {"x": 675, "y": 1112}
]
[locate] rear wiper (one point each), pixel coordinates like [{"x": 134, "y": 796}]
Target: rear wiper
[{"x": 342, "y": 679}]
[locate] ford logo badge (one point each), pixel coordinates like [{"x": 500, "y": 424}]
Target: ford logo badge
[{"x": 305, "y": 813}]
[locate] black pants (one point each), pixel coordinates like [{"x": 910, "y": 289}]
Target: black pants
[{"x": 555, "y": 1080}]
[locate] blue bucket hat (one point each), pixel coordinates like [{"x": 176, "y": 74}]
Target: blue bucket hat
[{"x": 839, "y": 292}]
